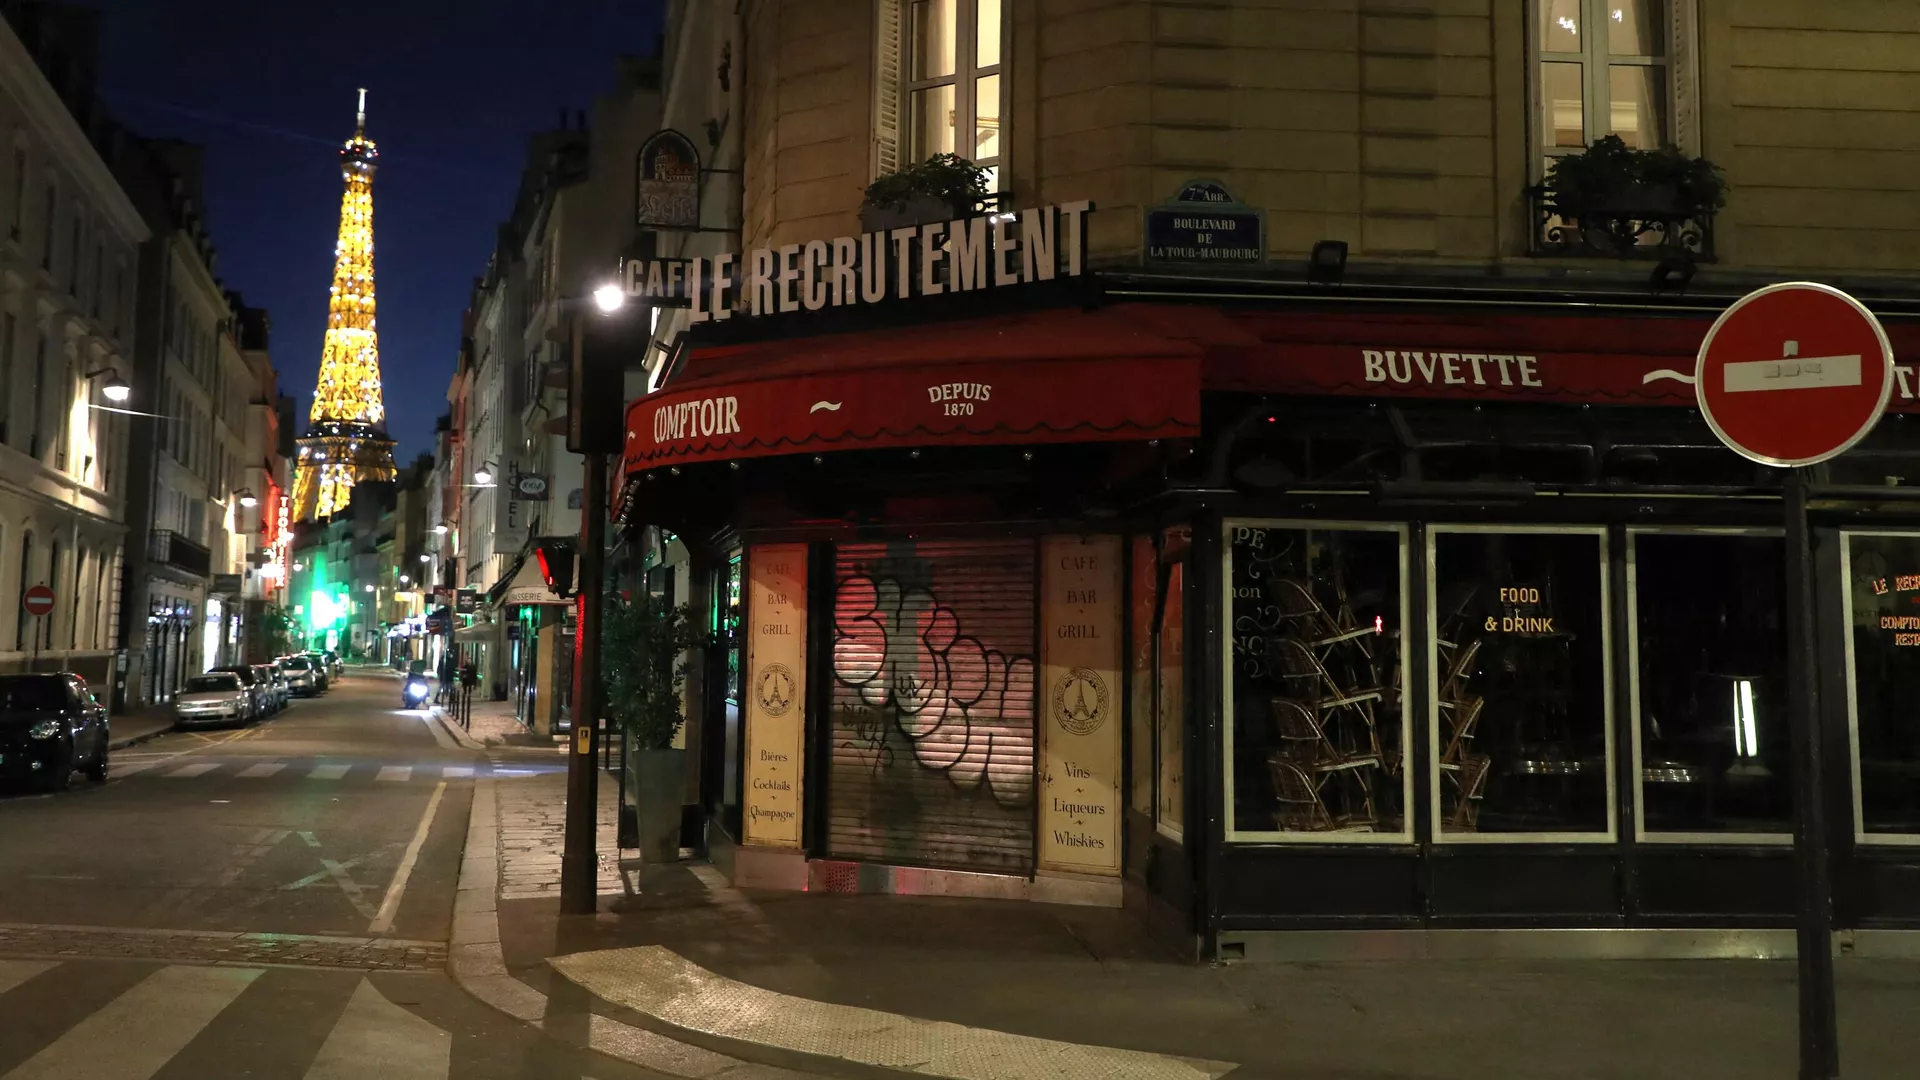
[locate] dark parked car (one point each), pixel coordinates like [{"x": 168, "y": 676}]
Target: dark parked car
[{"x": 51, "y": 725}]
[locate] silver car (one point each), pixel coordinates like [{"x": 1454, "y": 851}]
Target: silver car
[{"x": 214, "y": 697}]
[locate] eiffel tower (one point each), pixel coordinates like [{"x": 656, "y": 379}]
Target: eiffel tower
[{"x": 346, "y": 441}]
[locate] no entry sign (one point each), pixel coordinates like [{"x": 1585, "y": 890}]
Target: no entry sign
[
  {"x": 1794, "y": 374},
  {"x": 37, "y": 600}
]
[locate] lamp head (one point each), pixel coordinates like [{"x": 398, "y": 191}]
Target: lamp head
[
  {"x": 115, "y": 389},
  {"x": 609, "y": 298}
]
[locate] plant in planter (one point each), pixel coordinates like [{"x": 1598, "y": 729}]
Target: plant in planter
[
  {"x": 941, "y": 188},
  {"x": 1610, "y": 178},
  {"x": 644, "y": 667}
]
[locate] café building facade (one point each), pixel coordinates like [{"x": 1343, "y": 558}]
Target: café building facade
[{"x": 1286, "y": 614}]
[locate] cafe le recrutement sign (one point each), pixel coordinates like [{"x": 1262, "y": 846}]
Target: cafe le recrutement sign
[{"x": 1204, "y": 223}]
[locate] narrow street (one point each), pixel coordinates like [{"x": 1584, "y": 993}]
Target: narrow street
[{"x": 272, "y": 901}]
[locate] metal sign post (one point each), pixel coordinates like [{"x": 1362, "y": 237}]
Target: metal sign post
[{"x": 1793, "y": 375}]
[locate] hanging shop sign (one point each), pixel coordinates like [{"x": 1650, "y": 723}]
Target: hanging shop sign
[
  {"x": 1080, "y": 704},
  {"x": 666, "y": 189},
  {"x": 970, "y": 254},
  {"x": 776, "y": 692},
  {"x": 1204, "y": 223},
  {"x": 529, "y": 487},
  {"x": 467, "y": 601}
]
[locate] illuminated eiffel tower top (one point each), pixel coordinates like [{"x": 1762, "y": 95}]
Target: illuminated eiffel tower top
[{"x": 346, "y": 439}]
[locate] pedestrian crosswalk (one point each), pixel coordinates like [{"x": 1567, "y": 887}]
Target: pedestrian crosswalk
[
  {"x": 167, "y": 768},
  {"x": 153, "y": 1020}
]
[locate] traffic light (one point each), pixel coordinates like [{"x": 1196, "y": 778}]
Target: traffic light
[{"x": 556, "y": 564}]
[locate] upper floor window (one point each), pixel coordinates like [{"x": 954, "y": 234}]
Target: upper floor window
[
  {"x": 1612, "y": 67},
  {"x": 19, "y": 190},
  {"x": 939, "y": 85},
  {"x": 46, "y": 229}
]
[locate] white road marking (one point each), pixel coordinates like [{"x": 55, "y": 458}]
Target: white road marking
[
  {"x": 137, "y": 1033},
  {"x": 15, "y": 972},
  {"x": 327, "y": 772},
  {"x": 197, "y": 769},
  {"x": 375, "y": 1037},
  {"x": 400, "y": 773},
  {"x": 390, "y": 904},
  {"x": 457, "y": 772},
  {"x": 265, "y": 768}
]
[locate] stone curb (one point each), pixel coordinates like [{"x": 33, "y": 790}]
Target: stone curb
[
  {"x": 477, "y": 965},
  {"x": 136, "y": 740},
  {"x": 460, "y": 734}
]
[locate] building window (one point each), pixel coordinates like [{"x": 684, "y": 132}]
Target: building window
[
  {"x": 1521, "y": 738},
  {"x": 939, "y": 85},
  {"x": 1711, "y": 744},
  {"x": 73, "y": 256},
  {"x": 1611, "y": 67},
  {"x": 46, "y": 229},
  {"x": 9, "y": 326},
  {"x": 20, "y": 626},
  {"x": 1882, "y": 576},
  {"x": 19, "y": 190},
  {"x": 39, "y": 395},
  {"x": 1316, "y": 736}
]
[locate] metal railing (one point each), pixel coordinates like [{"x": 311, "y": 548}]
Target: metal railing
[{"x": 1645, "y": 228}]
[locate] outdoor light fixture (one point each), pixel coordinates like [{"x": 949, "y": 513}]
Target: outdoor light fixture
[
  {"x": 1672, "y": 274},
  {"x": 115, "y": 389},
  {"x": 1328, "y": 262},
  {"x": 404, "y": 579},
  {"x": 369, "y": 588},
  {"x": 484, "y": 474},
  {"x": 608, "y": 298},
  {"x": 247, "y": 499},
  {"x": 424, "y": 557},
  {"x": 440, "y": 530}
]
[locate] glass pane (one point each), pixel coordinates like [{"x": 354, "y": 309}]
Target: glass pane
[
  {"x": 1146, "y": 582},
  {"x": 1633, "y": 27},
  {"x": 1170, "y": 791},
  {"x": 933, "y": 38},
  {"x": 1714, "y": 749},
  {"x": 1562, "y": 112},
  {"x": 1521, "y": 711},
  {"x": 1559, "y": 25},
  {"x": 932, "y": 119},
  {"x": 1885, "y": 611},
  {"x": 986, "y": 118},
  {"x": 1638, "y": 105},
  {"x": 986, "y": 50},
  {"x": 1317, "y": 718}
]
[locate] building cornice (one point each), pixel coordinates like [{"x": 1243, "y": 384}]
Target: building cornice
[{"x": 55, "y": 125}]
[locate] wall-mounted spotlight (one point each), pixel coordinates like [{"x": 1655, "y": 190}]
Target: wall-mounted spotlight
[{"x": 1328, "y": 262}]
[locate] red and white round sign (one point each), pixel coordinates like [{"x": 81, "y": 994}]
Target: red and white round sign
[
  {"x": 37, "y": 600},
  {"x": 1794, "y": 374}
]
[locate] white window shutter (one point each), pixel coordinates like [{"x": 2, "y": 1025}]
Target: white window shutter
[
  {"x": 1683, "y": 73},
  {"x": 888, "y": 132}
]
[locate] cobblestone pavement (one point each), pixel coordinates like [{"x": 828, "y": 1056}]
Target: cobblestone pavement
[
  {"x": 218, "y": 947},
  {"x": 533, "y": 813}
]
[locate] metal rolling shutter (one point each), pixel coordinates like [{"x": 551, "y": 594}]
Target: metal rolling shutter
[{"x": 933, "y": 720}]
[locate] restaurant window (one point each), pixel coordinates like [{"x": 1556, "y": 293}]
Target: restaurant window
[
  {"x": 1709, "y": 694},
  {"x": 1170, "y": 696},
  {"x": 1317, "y": 735},
  {"x": 1521, "y": 743},
  {"x": 1882, "y": 572},
  {"x": 938, "y": 85},
  {"x": 1612, "y": 67}
]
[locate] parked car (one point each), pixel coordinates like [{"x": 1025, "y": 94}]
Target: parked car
[
  {"x": 281, "y": 677},
  {"x": 334, "y": 665},
  {"x": 50, "y": 725},
  {"x": 213, "y": 697},
  {"x": 327, "y": 669},
  {"x": 259, "y": 695},
  {"x": 276, "y": 686},
  {"x": 301, "y": 678}
]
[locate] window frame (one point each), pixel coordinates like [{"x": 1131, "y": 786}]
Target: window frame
[
  {"x": 1641, "y": 833},
  {"x": 1436, "y": 832},
  {"x": 1675, "y": 19},
  {"x": 1857, "y": 796},
  {"x": 1233, "y": 835},
  {"x": 966, "y": 74}
]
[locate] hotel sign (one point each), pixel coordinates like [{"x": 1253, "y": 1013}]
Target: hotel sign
[
  {"x": 972, "y": 254},
  {"x": 666, "y": 189}
]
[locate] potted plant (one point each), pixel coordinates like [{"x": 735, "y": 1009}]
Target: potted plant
[
  {"x": 941, "y": 188},
  {"x": 1613, "y": 180},
  {"x": 644, "y": 664}
]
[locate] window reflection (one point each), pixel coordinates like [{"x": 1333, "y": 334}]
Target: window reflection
[
  {"x": 1638, "y": 105},
  {"x": 1520, "y": 718},
  {"x": 1171, "y": 708},
  {"x": 1711, "y": 652},
  {"x": 1884, "y": 610},
  {"x": 1318, "y": 741}
]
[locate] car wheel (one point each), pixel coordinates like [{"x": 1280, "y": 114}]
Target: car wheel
[
  {"x": 97, "y": 768},
  {"x": 60, "y": 777}
]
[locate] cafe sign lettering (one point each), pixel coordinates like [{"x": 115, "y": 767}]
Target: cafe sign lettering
[{"x": 965, "y": 255}]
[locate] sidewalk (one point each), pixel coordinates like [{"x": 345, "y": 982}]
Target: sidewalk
[
  {"x": 131, "y": 728},
  {"x": 493, "y": 725},
  {"x": 847, "y": 985}
]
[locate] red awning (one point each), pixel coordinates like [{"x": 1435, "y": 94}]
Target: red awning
[{"x": 1054, "y": 376}]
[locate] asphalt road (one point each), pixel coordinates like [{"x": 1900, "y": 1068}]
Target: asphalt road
[{"x": 272, "y": 901}]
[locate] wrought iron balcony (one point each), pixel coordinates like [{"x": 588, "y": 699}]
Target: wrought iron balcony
[
  {"x": 1651, "y": 226},
  {"x": 169, "y": 547}
]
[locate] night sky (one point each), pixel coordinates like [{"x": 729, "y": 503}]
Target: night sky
[{"x": 453, "y": 92}]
